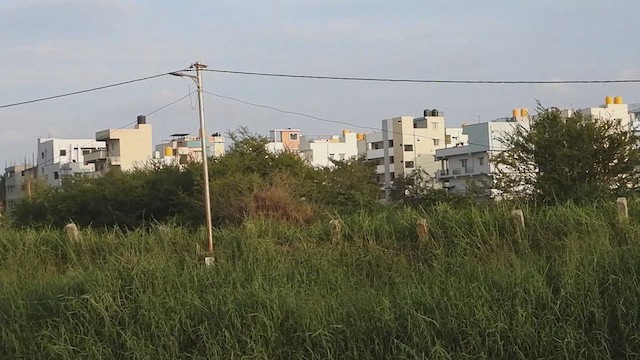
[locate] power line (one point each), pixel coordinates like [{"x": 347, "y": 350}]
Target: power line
[
  {"x": 83, "y": 91},
  {"x": 329, "y": 120},
  {"x": 427, "y": 81}
]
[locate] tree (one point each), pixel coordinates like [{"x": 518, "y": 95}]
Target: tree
[
  {"x": 3, "y": 191},
  {"x": 575, "y": 158}
]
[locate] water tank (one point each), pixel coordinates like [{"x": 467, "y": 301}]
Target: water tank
[
  {"x": 142, "y": 119},
  {"x": 524, "y": 112},
  {"x": 168, "y": 151},
  {"x": 516, "y": 112},
  {"x": 617, "y": 100},
  {"x": 426, "y": 112},
  {"x": 360, "y": 136},
  {"x": 608, "y": 100},
  {"x": 434, "y": 112}
]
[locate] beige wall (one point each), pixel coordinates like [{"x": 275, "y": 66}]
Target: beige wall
[{"x": 128, "y": 148}]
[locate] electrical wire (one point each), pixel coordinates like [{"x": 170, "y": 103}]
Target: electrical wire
[
  {"x": 84, "y": 91},
  {"x": 328, "y": 120},
  {"x": 427, "y": 81},
  {"x": 54, "y": 158}
]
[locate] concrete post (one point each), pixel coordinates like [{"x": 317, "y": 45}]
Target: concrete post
[
  {"x": 623, "y": 208},
  {"x": 517, "y": 217}
]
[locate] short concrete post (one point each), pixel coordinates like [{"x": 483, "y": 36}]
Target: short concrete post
[
  {"x": 422, "y": 229},
  {"x": 517, "y": 217},
  {"x": 72, "y": 232},
  {"x": 336, "y": 229},
  {"x": 623, "y": 208}
]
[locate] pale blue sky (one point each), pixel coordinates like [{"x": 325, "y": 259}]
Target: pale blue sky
[{"x": 54, "y": 46}]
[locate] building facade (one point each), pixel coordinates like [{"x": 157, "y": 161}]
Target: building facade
[
  {"x": 184, "y": 148},
  {"x": 19, "y": 183},
  {"x": 59, "y": 158},
  {"x": 406, "y": 144},
  {"x": 125, "y": 149},
  {"x": 284, "y": 140},
  {"x": 319, "y": 152}
]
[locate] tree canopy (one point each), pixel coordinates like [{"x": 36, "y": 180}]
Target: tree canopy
[{"x": 575, "y": 158}]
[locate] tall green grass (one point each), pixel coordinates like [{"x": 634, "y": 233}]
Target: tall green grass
[{"x": 567, "y": 286}]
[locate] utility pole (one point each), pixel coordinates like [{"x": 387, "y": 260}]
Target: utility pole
[{"x": 205, "y": 165}]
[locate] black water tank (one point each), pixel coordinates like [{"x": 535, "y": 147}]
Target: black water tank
[
  {"x": 142, "y": 119},
  {"x": 427, "y": 112},
  {"x": 434, "y": 112}
]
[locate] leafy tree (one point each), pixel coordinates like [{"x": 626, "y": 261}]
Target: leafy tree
[{"x": 575, "y": 158}]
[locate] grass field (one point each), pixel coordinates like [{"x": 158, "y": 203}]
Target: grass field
[{"x": 567, "y": 286}]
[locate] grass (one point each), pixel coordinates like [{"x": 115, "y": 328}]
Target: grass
[{"x": 567, "y": 286}]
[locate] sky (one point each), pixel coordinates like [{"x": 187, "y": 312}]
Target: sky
[{"x": 49, "y": 47}]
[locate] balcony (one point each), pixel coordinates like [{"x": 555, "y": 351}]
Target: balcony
[
  {"x": 101, "y": 155},
  {"x": 449, "y": 173}
]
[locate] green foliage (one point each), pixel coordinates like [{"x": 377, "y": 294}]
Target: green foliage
[
  {"x": 565, "y": 287},
  {"x": 577, "y": 158},
  {"x": 248, "y": 181},
  {"x": 418, "y": 189}
]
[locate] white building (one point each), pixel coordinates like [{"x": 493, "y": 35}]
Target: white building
[
  {"x": 462, "y": 166},
  {"x": 184, "y": 148},
  {"x": 406, "y": 144},
  {"x": 19, "y": 183},
  {"x": 58, "y": 158},
  {"x": 319, "y": 152},
  {"x": 455, "y": 137}
]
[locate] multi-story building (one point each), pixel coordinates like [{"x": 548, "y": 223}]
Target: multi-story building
[
  {"x": 321, "y": 151},
  {"x": 613, "y": 108},
  {"x": 470, "y": 165},
  {"x": 19, "y": 183},
  {"x": 125, "y": 149},
  {"x": 185, "y": 148},
  {"x": 455, "y": 136},
  {"x": 58, "y": 158},
  {"x": 284, "y": 140},
  {"x": 406, "y": 144}
]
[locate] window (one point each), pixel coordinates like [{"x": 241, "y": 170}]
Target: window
[
  {"x": 56, "y": 176},
  {"x": 42, "y": 154},
  {"x": 436, "y": 142},
  {"x": 392, "y": 175},
  {"x": 391, "y": 159},
  {"x": 376, "y": 145},
  {"x": 463, "y": 163},
  {"x": 293, "y": 137},
  {"x": 434, "y": 125},
  {"x": 481, "y": 161},
  {"x": 85, "y": 151},
  {"x": 390, "y": 143},
  {"x": 63, "y": 152},
  {"x": 408, "y": 164},
  {"x": 408, "y": 148}
]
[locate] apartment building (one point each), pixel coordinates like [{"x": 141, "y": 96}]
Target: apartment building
[
  {"x": 284, "y": 140},
  {"x": 320, "y": 151},
  {"x": 19, "y": 183},
  {"x": 59, "y": 158},
  {"x": 184, "y": 148},
  {"x": 405, "y": 144},
  {"x": 469, "y": 165},
  {"x": 125, "y": 149}
]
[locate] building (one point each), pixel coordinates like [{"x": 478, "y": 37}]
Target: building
[
  {"x": 613, "y": 108},
  {"x": 319, "y": 152},
  {"x": 184, "y": 148},
  {"x": 59, "y": 158},
  {"x": 19, "y": 183},
  {"x": 406, "y": 144},
  {"x": 469, "y": 165},
  {"x": 455, "y": 137},
  {"x": 284, "y": 140},
  {"x": 125, "y": 149}
]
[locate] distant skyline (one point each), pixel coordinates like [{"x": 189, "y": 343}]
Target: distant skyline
[{"x": 57, "y": 46}]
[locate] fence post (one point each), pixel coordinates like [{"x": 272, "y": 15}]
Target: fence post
[
  {"x": 72, "y": 232},
  {"x": 517, "y": 216},
  {"x": 422, "y": 229},
  {"x": 336, "y": 230},
  {"x": 623, "y": 208}
]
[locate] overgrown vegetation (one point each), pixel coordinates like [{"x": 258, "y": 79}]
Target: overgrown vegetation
[
  {"x": 477, "y": 287},
  {"x": 576, "y": 158},
  {"x": 247, "y": 181}
]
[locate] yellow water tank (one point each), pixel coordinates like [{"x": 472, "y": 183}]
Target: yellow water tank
[
  {"x": 360, "y": 136},
  {"x": 168, "y": 151},
  {"x": 617, "y": 100},
  {"x": 608, "y": 100},
  {"x": 524, "y": 112},
  {"x": 516, "y": 112}
]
